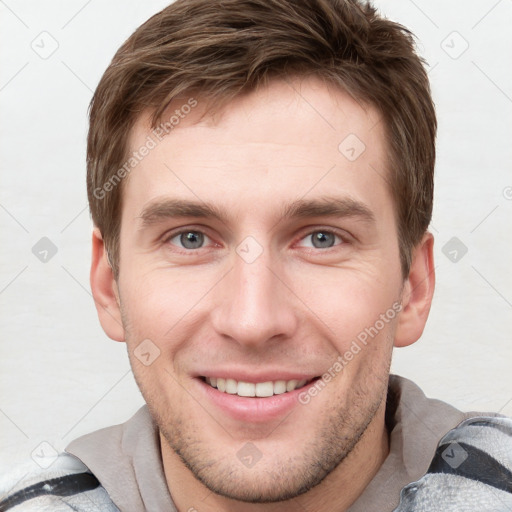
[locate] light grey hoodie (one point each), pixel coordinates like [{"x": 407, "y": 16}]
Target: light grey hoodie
[{"x": 126, "y": 460}]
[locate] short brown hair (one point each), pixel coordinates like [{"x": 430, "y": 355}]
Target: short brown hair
[{"x": 223, "y": 48}]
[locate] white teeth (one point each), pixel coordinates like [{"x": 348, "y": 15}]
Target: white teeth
[
  {"x": 246, "y": 389},
  {"x": 265, "y": 388},
  {"x": 231, "y": 386},
  {"x": 221, "y": 385},
  {"x": 291, "y": 385},
  {"x": 279, "y": 387},
  {"x": 261, "y": 389}
]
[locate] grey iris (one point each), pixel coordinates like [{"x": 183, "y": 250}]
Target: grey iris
[
  {"x": 192, "y": 239},
  {"x": 322, "y": 240}
]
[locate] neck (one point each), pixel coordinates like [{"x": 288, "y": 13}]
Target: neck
[{"x": 338, "y": 491}]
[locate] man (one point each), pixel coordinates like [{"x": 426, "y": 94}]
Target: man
[{"x": 260, "y": 177}]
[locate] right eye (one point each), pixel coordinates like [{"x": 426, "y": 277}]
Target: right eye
[{"x": 188, "y": 239}]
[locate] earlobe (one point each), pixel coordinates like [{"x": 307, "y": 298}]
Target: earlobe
[
  {"x": 104, "y": 290},
  {"x": 417, "y": 294}
]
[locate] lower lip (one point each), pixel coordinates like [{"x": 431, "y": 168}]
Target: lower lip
[{"x": 257, "y": 409}]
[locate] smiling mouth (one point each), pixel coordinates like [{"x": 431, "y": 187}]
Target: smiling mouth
[{"x": 256, "y": 390}]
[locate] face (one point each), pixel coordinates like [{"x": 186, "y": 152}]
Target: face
[{"x": 257, "y": 249}]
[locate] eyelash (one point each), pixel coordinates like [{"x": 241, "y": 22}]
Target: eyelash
[{"x": 191, "y": 252}]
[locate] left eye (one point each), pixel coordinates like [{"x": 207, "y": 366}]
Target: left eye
[
  {"x": 321, "y": 239},
  {"x": 189, "y": 239}
]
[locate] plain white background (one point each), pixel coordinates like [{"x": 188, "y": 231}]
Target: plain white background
[{"x": 61, "y": 377}]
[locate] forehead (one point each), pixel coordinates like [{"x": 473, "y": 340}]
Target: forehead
[{"x": 288, "y": 138}]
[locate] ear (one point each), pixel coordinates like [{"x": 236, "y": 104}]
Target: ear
[
  {"x": 417, "y": 293},
  {"x": 104, "y": 290}
]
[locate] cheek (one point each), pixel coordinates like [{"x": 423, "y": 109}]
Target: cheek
[
  {"x": 156, "y": 301},
  {"x": 348, "y": 301}
]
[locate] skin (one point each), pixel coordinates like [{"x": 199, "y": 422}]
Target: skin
[{"x": 295, "y": 307}]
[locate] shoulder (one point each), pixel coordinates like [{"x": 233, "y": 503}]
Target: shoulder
[
  {"x": 59, "y": 483},
  {"x": 471, "y": 470}
]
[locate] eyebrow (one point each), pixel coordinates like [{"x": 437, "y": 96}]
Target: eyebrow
[
  {"x": 329, "y": 207},
  {"x": 161, "y": 210}
]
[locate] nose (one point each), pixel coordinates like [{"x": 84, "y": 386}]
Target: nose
[{"x": 254, "y": 303}]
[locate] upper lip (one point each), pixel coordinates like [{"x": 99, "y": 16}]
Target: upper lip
[{"x": 256, "y": 376}]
